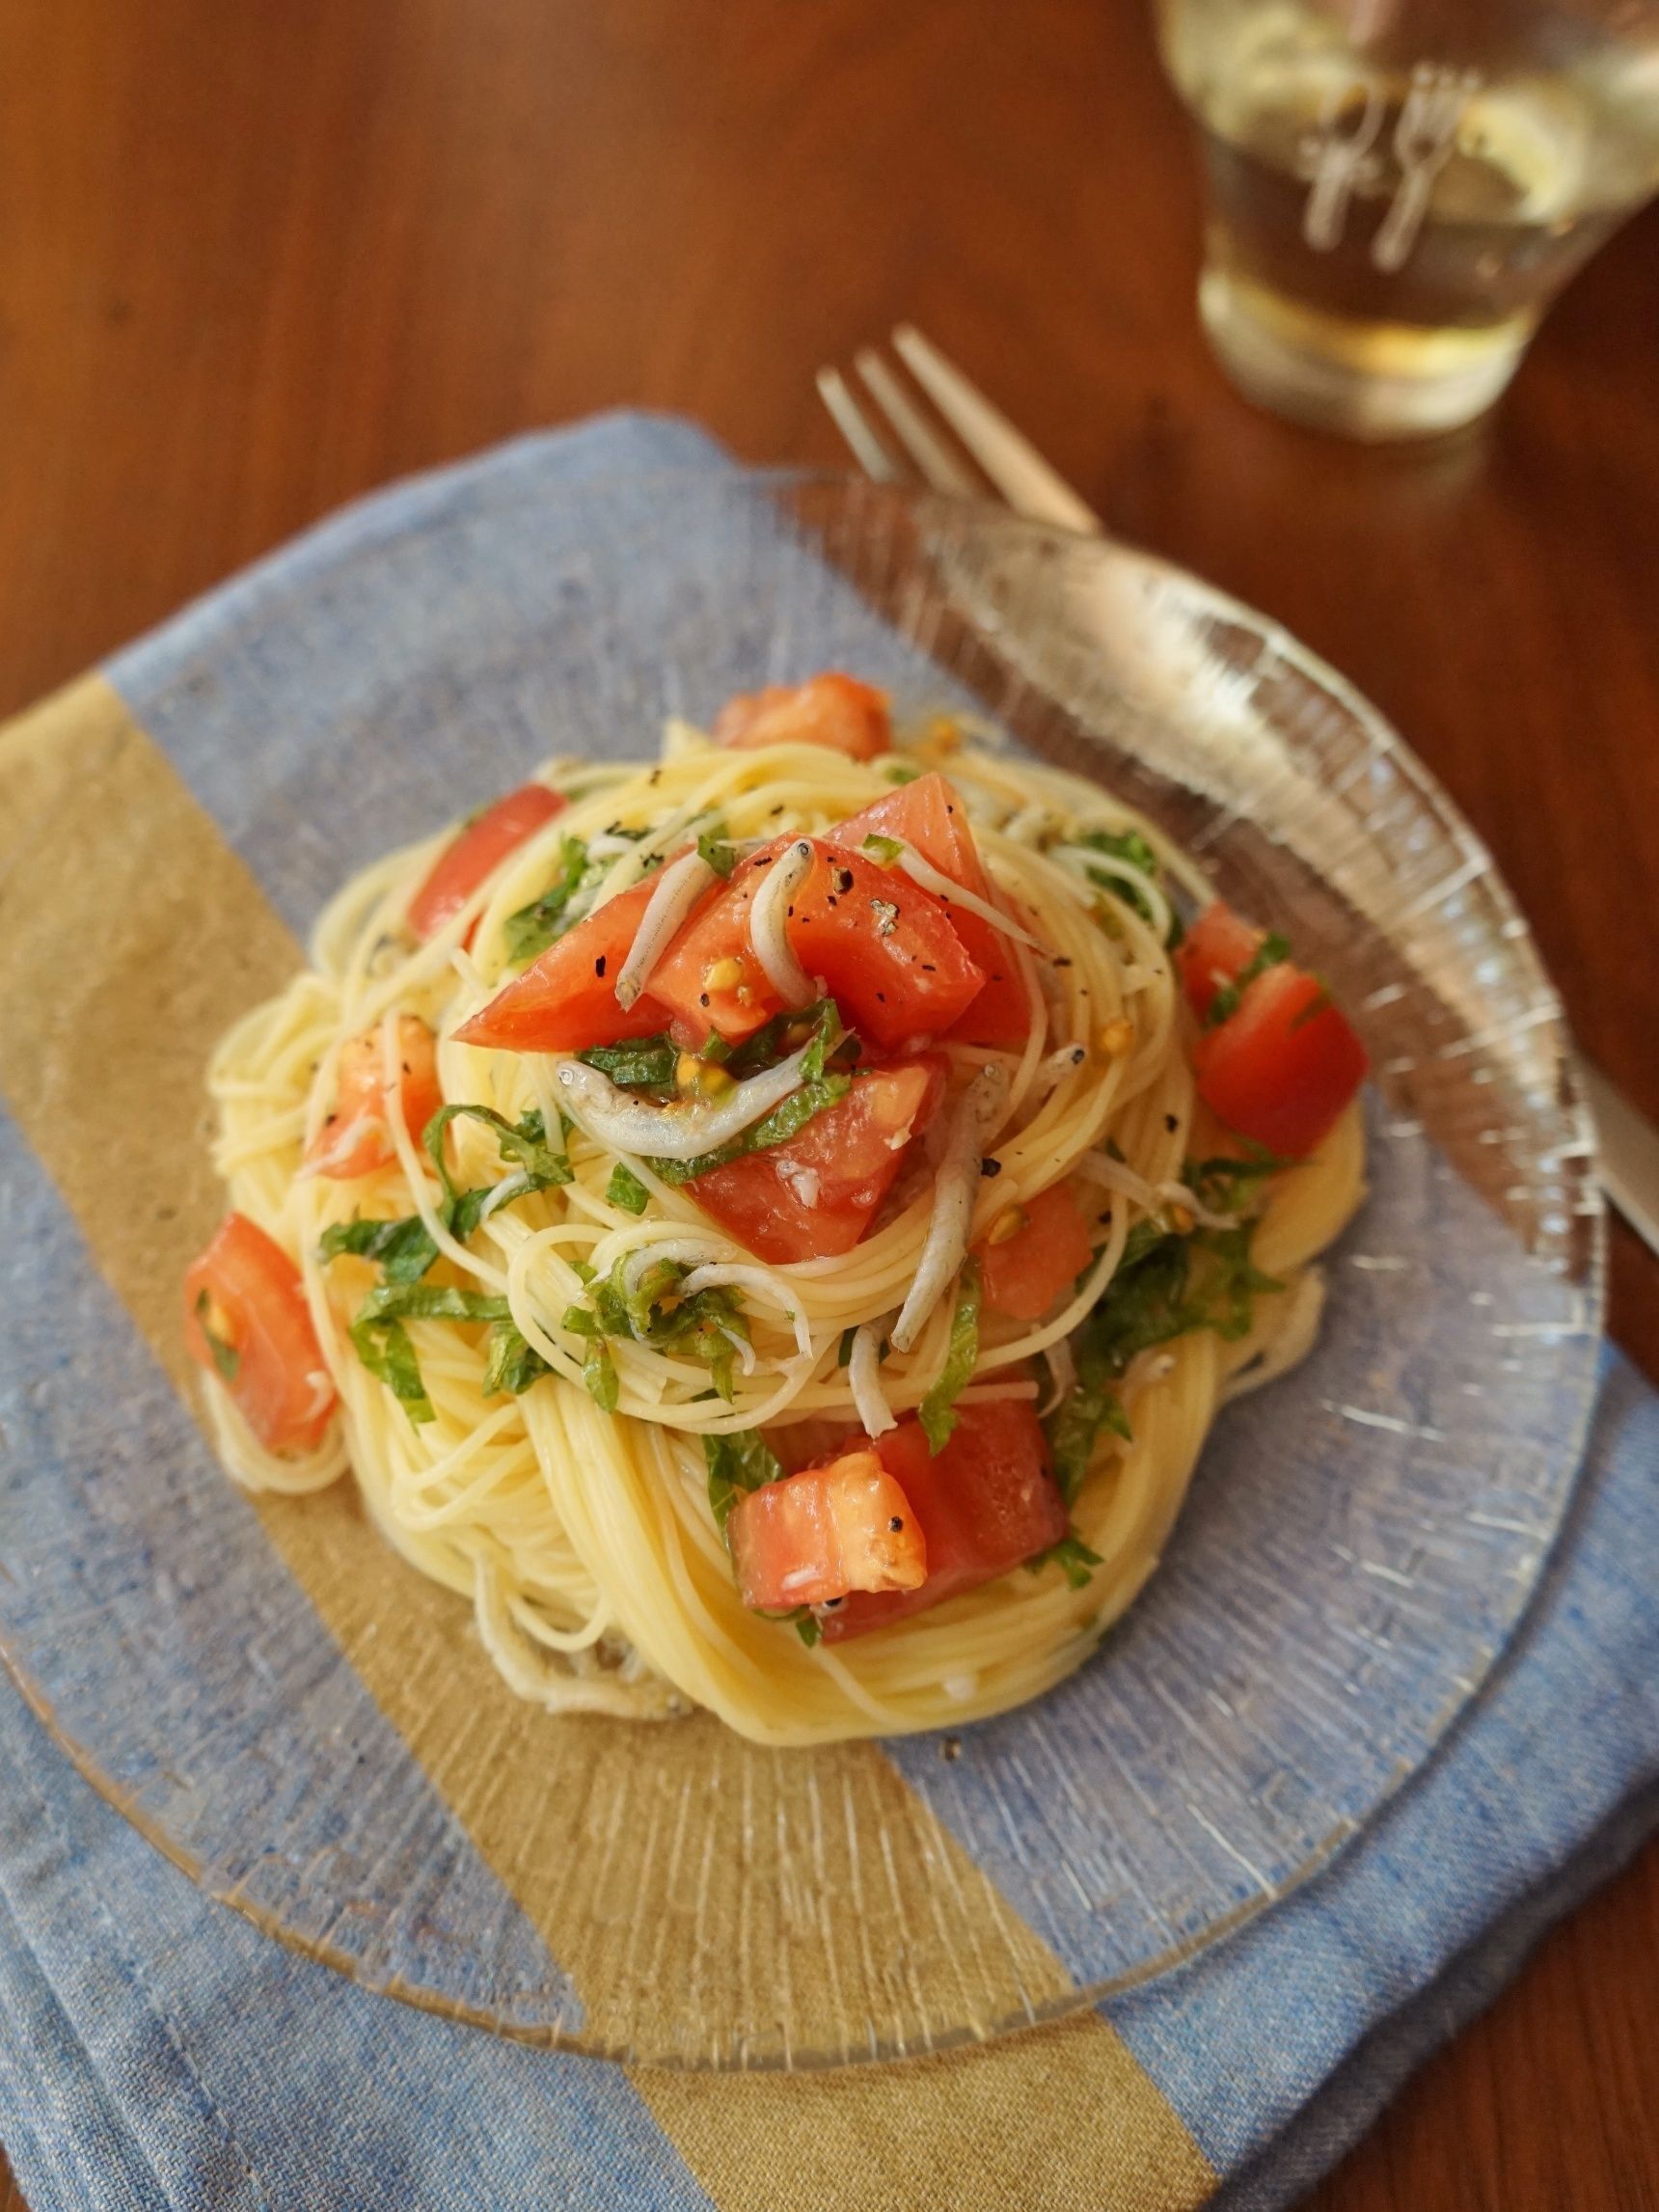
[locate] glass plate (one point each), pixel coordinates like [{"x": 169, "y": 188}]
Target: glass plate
[{"x": 313, "y": 1732}]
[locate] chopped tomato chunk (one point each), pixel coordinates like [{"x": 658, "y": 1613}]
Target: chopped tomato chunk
[
  {"x": 246, "y": 1321},
  {"x": 985, "y": 1503},
  {"x": 476, "y": 853},
  {"x": 929, "y": 815},
  {"x": 356, "y": 1137},
  {"x": 566, "y": 1001},
  {"x": 1215, "y": 950},
  {"x": 1025, "y": 1272},
  {"x": 1282, "y": 1067},
  {"x": 814, "y": 1442},
  {"x": 822, "y": 1533},
  {"x": 831, "y": 710},
  {"x": 814, "y": 1196},
  {"x": 885, "y": 951},
  {"x": 708, "y": 977}
]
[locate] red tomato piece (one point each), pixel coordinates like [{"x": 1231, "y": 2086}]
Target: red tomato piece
[
  {"x": 1024, "y": 1275},
  {"x": 355, "y": 1139},
  {"x": 246, "y": 1321},
  {"x": 1215, "y": 950},
  {"x": 831, "y": 710},
  {"x": 814, "y": 1442},
  {"x": 930, "y": 816},
  {"x": 885, "y": 950},
  {"x": 1282, "y": 1067},
  {"x": 476, "y": 853},
  {"x": 823, "y": 1532},
  {"x": 566, "y": 1001},
  {"x": 708, "y": 977},
  {"x": 987, "y": 1502},
  {"x": 814, "y": 1196}
]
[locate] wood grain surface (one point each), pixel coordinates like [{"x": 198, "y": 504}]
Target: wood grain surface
[{"x": 257, "y": 259}]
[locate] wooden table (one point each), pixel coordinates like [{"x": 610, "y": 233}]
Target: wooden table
[{"x": 257, "y": 259}]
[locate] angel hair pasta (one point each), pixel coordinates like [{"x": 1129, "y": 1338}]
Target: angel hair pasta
[{"x": 773, "y": 1228}]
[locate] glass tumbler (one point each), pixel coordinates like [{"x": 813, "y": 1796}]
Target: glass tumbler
[{"x": 1397, "y": 189}]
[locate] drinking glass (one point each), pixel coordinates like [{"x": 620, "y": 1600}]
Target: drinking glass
[{"x": 1397, "y": 189}]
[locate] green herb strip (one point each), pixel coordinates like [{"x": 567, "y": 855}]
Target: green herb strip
[
  {"x": 384, "y": 1347},
  {"x": 533, "y": 928},
  {"x": 737, "y": 1463},
  {"x": 599, "y": 1375},
  {"x": 227, "y": 1358},
  {"x": 405, "y": 1249},
  {"x": 650, "y": 1065},
  {"x": 1077, "y": 1424},
  {"x": 1269, "y": 953},
  {"x": 1073, "y": 1555},
  {"x": 1166, "y": 1286},
  {"x": 821, "y": 1086},
  {"x": 1225, "y": 1185},
  {"x": 1131, "y": 848},
  {"x": 937, "y": 1412},
  {"x": 625, "y": 1189},
  {"x": 784, "y": 1121},
  {"x": 524, "y": 1142},
  {"x": 383, "y": 1343},
  {"x": 713, "y": 848},
  {"x": 512, "y": 1365},
  {"x": 1135, "y": 852},
  {"x": 655, "y": 1313},
  {"x": 786, "y": 1033},
  {"x": 647, "y": 1063},
  {"x": 431, "y": 1301}
]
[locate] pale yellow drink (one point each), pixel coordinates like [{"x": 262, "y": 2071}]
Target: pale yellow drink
[{"x": 1397, "y": 190}]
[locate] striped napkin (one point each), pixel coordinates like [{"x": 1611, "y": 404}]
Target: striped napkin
[{"x": 156, "y": 2051}]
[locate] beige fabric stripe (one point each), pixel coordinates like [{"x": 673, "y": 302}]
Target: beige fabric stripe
[
  {"x": 579, "y": 1819},
  {"x": 1056, "y": 2119}
]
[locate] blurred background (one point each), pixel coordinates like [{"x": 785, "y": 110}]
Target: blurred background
[{"x": 257, "y": 258}]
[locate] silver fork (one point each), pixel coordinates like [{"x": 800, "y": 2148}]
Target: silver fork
[
  {"x": 1628, "y": 1150},
  {"x": 1011, "y": 462}
]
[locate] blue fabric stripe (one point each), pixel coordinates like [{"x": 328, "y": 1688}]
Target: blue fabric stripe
[
  {"x": 1341, "y": 2111},
  {"x": 143, "y": 2067},
  {"x": 58, "y": 2119},
  {"x": 176, "y": 2057},
  {"x": 161, "y": 1540},
  {"x": 324, "y": 700}
]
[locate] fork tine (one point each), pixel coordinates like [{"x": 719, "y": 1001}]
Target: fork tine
[
  {"x": 867, "y": 450},
  {"x": 1009, "y": 458},
  {"x": 941, "y": 466}
]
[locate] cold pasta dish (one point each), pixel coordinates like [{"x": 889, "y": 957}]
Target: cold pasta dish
[{"x": 771, "y": 1227}]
